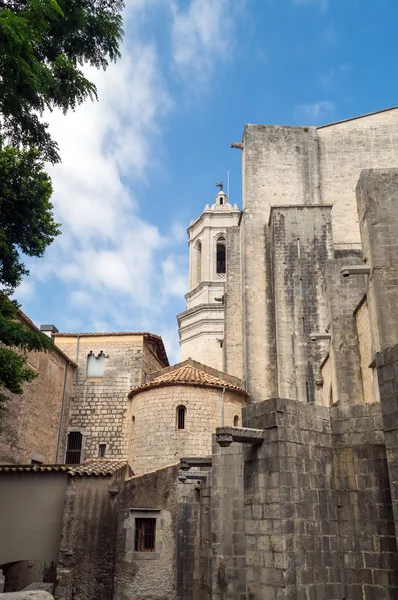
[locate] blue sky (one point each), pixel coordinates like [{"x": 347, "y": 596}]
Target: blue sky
[{"x": 143, "y": 161}]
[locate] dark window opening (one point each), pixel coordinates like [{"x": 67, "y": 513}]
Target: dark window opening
[
  {"x": 301, "y": 289},
  {"x": 221, "y": 200},
  {"x": 74, "y": 448},
  {"x": 181, "y": 417},
  {"x": 236, "y": 421},
  {"x": 145, "y": 530},
  {"x": 303, "y": 324},
  {"x": 221, "y": 255},
  {"x": 101, "y": 450},
  {"x": 307, "y": 391}
]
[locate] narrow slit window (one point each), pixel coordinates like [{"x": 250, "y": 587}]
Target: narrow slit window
[
  {"x": 298, "y": 248},
  {"x": 101, "y": 450},
  {"x": 181, "y": 410},
  {"x": 74, "y": 448},
  {"x": 301, "y": 289},
  {"x": 221, "y": 256},
  {"x": 198, "y": 258},
  {"x": 307, "y": 391},
  {"x": 303, "y": 324},
  {"x": 145, "y": 533}
]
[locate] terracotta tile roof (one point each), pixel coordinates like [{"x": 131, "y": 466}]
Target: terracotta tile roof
[
  {"x": 98, "y": 466},
  {"x": 187, "y": 375},
  {"x": 92, "y": 466},
  {"x": 152, "y": 337}
]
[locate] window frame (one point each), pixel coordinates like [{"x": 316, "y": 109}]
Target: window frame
[
  {"x": 131, "y": 526},
  {"x": 90, "y": 356},
  {"x": 82, "y": 447}
]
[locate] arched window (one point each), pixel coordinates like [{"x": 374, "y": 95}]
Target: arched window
[
  {"x": 198, "y": 260},
  {"x": 181, "y": 410},
  {"x": 236, "y": 421},
  {"x": 221, "y": 256}
]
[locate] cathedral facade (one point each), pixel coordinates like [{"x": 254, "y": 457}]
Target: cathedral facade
[{"x": 265, "y": 463}]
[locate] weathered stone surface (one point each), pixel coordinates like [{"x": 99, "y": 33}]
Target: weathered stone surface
[{"x": 28, "y": 595}]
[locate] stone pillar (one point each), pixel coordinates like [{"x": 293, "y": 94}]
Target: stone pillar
[
  {"x": 377, "y": 199},
  {"x": 228, "y": 525},
  {"x": 343, "y": 296}
]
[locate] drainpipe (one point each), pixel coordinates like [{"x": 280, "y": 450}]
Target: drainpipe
[
  {"x": 62, "y": 412},
  {"x": 222, "y": 407}
]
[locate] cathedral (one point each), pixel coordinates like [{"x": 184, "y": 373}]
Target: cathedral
[{"x": 264, "y": 465}]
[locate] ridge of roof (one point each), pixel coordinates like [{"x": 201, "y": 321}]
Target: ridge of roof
[
  {"x": 92, "y": 466},
  {"x": 187, "y": 374}
]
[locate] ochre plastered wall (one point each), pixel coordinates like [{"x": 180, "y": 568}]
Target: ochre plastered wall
[{"x": 155, "y": 439}]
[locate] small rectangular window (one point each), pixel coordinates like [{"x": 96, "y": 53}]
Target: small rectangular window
[
  {"x": 307, "y": 391},
  {"x": 145, "y": 531},
  {"x": 95, "y": 365},
  {"x": 303, "y": 324},
  {"x": 101, "y": 450}
]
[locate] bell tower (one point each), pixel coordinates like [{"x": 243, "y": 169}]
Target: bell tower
[{"x": 201, "y": 325}]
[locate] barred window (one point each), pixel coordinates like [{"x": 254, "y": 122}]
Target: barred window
[
  {"x": 145, "y": 533},
  {"x": 74, "y": 448}
]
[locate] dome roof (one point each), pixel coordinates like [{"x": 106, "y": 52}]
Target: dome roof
[{"x": 187, "y": 374}]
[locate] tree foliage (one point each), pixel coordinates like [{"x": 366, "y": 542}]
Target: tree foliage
[
  {"x": 14, "y": 334},
  {"x": 44, "y": 45},
  {"x": 26, "y": 221}
]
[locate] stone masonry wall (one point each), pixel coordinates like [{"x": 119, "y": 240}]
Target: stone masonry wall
[
  {"x": 344, "y": 150},
  {"x": 150, "y": 362},
  {"x": 30, "y": 425},
  {"x": 319, "y": 521},
  {"x": 147, "y": 575},
  {"x": 233, "y": 306},
  {"x": 343, "y": 296},
  {"x": 291, "y": 166},
  {"x": 368, "y": 548},
  {"x": 228, "y": 523},
  {"x": 99, "y": 408},
  {"x": 301, "y": 243},
  {"x": 155, "y": 413},
  {"x": 369, "y": 376},
  {"x": 89, "y": 534},
  {"x": 377, "y": 197}
]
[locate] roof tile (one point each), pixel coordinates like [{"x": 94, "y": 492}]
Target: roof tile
[{"x": 187, "y": 375}]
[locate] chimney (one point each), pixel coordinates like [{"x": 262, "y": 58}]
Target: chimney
[{"x": 48, "y": 330}]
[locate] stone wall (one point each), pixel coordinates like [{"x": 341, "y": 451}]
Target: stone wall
[
  {"x": 232, "y": 346},
  {"x": 89, "y": 534},
  {"x": 368, "y": 372},
  {"x": 99, "y": 408},
  {"x": 149, "y": 575},
  {"x": 301, "y": 244},
  {"x": 30, "y": 425},
  {"x": 343, "y": 296},
  {"x": 156, "y": 441}
]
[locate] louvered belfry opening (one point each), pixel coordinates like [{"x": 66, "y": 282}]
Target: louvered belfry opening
[
  {"x": 145, "y": 531},
  {"x": 74, "y": 448}
]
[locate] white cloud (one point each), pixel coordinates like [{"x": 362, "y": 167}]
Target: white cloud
[
  {"x": 316, "y": 113},
  {"x": 202, "y": 35},
  {"x": 117, "y": 270}
]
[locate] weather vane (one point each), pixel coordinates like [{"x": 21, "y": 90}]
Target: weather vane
[{"x": 220, "y": 185}]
